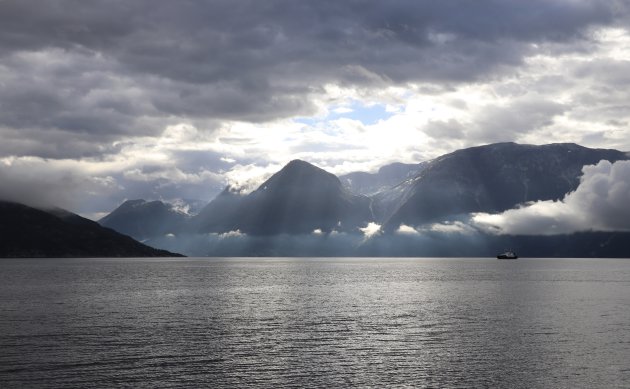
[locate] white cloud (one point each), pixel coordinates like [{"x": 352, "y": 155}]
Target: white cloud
[
  {"x": 247, "y": 178},
  {"x": 407, "y": 230},
  {"x": 371, "y": 230},
  {"x": 230, "y": 234},
  {"x": 600, "y": 203},
  {"x": 455, "y": 227},
  {"x": 172, "y": 175}
]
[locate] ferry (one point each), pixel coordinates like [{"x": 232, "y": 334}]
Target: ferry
[{"x": 507, "y": 255}]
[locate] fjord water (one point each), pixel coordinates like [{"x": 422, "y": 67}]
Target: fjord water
[{"x": 530, "y": 323}]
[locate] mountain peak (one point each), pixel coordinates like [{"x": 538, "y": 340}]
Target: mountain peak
[
  {"x": 302, "y": 166},
  {"x": 302, "y": 176},
  {"x": 299, "y": 162},
  {"x": 298, "y": 199}
]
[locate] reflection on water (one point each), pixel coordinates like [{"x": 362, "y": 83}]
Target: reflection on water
[{"x": 323, "y": 322}]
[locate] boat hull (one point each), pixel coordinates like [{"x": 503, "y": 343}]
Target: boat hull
[{"x": 507, "y": 257}]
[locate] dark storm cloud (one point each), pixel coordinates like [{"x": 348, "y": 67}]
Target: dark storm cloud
[
  {"x": 115, "y": 68},
  {"x": 286, "y": 44},
  {"x": 54, "y": 144}
]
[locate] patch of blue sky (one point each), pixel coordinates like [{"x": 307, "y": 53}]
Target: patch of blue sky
[{"x": 366, "y": 114}]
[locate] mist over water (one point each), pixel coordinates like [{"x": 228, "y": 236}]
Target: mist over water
[
  {"x": 273, "y": 322},
  {"x": 417, "y": 244}
]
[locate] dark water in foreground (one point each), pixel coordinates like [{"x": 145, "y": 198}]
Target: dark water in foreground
[{"x": 530, "y": 323}]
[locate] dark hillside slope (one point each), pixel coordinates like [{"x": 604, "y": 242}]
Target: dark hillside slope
[
  {"x": 142, "y": 219},
  {"x": 31, "y": 232}
]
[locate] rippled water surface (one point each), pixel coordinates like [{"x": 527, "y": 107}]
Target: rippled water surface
[{"x": 530, "y": 323}]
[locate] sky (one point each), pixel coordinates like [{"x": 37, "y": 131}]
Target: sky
[{"x": 102, "y": 101}]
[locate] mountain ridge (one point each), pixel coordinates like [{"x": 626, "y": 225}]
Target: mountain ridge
[
  {"x": 364, "y": 183},
  {"x": 33, "y": 232},
  {"x": 492, "y": 178},
  {"x": 143, "y": 219},
  {"x": 302, "y": 200}
]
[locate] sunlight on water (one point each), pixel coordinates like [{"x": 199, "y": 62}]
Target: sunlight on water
[{"x": 322, "y": 322}]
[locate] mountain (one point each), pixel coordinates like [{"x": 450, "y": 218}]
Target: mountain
[
  {"x": 220, "y": 215},
  {"x": 281, "y": 216},
  {"x": 142, "y": 219},
  {"x": 300, "y": 198},
  {"x": 31, "y": 232},
  {"x": 491, "y": 178},
  {"x": 364, "y": 183}
]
